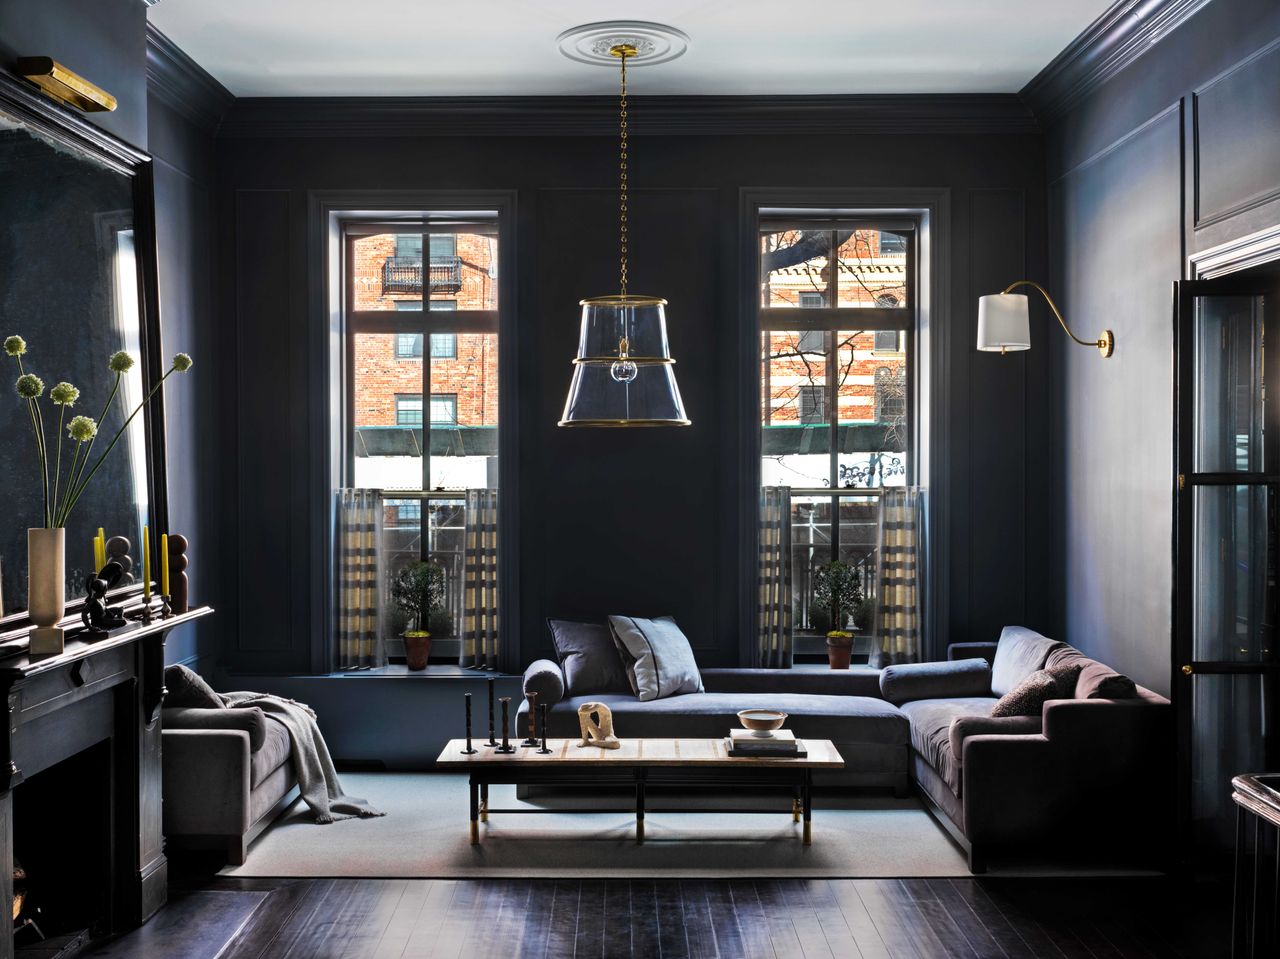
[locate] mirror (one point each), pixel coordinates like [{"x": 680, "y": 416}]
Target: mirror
[{"x": 70, "y": 286}]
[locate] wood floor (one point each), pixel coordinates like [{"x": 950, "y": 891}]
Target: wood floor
[{"x": 645, "y": 919}]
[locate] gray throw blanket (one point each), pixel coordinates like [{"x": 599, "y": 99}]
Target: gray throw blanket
[{"x": 317, "y": 779}]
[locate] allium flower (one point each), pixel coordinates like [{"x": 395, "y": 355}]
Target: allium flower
[
  {"x": 82, "y": 428},
  {"x": 15, "y": 346},
  {"x": 182, "y": 362},
  {"x": 29, "y": 386},
  {"x": 64, "y": 394},
  {"x": 120, "y": 362}
]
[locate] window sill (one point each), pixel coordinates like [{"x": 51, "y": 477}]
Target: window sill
[{"x": 433, "y": 671}]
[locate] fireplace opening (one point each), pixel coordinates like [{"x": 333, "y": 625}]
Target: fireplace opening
[{"x": 61, "y": 837}]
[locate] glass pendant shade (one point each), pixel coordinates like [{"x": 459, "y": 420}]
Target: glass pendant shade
[
  {"x": 624, "y": 374},
  {"x": 1003, "y": 325}
]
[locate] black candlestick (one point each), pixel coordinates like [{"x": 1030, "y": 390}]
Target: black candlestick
[
  {"x": 492, "y": 741},
  {"x": 532, "y": 738},
  {"x": 506, "y": 746},
  {"x": 542, "y": 717},
  {"x": 469, "y": 751}
]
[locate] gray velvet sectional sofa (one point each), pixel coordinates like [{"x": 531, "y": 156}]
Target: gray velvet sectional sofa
[{"x": 1091, "y": 773}]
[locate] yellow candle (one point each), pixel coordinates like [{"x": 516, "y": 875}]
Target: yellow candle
[
  {"x": 146, "y": 565},
  {"x": 102, "y": 548},
  {"x": 164, "y": 564},
  {"x": 96, "y": 567}
]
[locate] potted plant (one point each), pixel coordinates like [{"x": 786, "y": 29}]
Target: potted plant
[
  {"x": 418, "y": 590},
  {"x": 46, "y": 544},
  {"x": 837, "y": 587}
]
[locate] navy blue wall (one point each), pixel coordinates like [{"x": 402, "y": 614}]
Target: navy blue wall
[{"x": 1178, "y": 152}]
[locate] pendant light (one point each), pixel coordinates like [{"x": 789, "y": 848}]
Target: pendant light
[{"x": 623, "y": 374}]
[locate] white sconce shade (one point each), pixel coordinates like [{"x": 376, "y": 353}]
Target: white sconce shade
[{"x": 1003, "y": 325}]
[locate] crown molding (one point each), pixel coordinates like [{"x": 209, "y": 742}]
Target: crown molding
[
  {"x": 1122, "y": 34},
  {"x": 182, "y": 84},
  {"x": 598, "y": 116}
]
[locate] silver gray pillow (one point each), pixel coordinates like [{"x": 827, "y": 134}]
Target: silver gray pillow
[{"x": 657, "y": 656}]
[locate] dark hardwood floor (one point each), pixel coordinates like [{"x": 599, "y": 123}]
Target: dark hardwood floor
[{"x": 645, "y": 919}]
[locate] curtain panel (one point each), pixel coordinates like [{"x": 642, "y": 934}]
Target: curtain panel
[
  {"x": 480, "y": 581},
  {"x": 774, "y": 644},
  {"x": 359, "y": 592},
  {"x": 897, "y": 619}
]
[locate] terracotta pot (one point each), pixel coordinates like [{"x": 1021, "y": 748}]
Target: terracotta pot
[
  {"x": 417, "y": 650},
  {"x": 46, "y": 587},
  {"x": 838, "y": 657}
]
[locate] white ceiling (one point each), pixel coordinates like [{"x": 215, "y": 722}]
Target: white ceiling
[{"x": 508, "y": 47}]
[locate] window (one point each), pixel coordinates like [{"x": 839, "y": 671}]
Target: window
[
  {"x": 409, "y": 346},
  {"x": 836, "y": 412},
  {"x": 402, "y": 512},
  {"x": 444, "y": 409},
  {"x": 444, "y": 346},
  {"x": 886, "y": 341},
  {"x": 409, "y": 410},
  {"x": 813, "y": 404}
]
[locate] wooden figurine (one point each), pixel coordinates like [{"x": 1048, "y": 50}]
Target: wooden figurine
[
  {"x": 178, "y": 584},
  {"x": 118, "y": 552},
  {"x": 596, "y": 723}
]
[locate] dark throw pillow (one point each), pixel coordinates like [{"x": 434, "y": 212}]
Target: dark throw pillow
[
  {"x": 659, "y": 659},
  {"x": 189, "y": 690},
  {"x": 1030, "y": 695},
  {"x": 588, "y": 657}
]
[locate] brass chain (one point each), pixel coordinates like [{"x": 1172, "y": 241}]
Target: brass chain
[{"x": 622, "y": 181}]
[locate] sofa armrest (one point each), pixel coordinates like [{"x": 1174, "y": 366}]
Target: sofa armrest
[
  {"x": 252, "y": 720},
  {"x": 545, "y": 678},
  {"x": 1113, "y": 732},
  {"x": 957, "y": 651},
  {"x": 910, "y": 681},
  {"x": 962, "y": 727},
  {"x": 205, "y": 782},
  {"x": 855, "y": 681}
]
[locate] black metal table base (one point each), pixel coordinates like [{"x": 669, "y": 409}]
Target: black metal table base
[{"x": 639, "y": 778}]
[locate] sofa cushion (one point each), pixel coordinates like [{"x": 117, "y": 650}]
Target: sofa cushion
[
  {"x": 186, "y": 688},
  {"x": 657, "y": 656},
  {"x": 252, "y": 720},
  {"x": 1020, "y": 653},
  {"x": 930, "y": 722},
  {"x": 854, "y": 681},
  {"x": 842, "y": 719},
  {"x": 273, "y": 754},
  {"x": 588, "y": 657},
  {"x": 907, "y": 681},
  {"x": 1030, "y": 695},
  {"x": 1097, "y": 680}
]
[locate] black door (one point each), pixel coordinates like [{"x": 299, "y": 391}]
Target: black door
[{"x": 1227, "y": 661}]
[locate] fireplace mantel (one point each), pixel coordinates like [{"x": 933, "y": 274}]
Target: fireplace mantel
[{"x": 59, "y": 705}]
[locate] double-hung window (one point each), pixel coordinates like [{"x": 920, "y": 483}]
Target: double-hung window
[
  {"x": 421, "y": 365},
  {"x": 837, "y": 318}
]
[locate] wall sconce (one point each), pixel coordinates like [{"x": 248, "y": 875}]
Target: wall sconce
[{"x": 1004, "y": 327}]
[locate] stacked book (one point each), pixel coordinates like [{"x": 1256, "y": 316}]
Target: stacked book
[{"x": 780, "y": 742}]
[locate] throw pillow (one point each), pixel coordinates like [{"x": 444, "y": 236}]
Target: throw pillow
[
  {"x": 588, "y": 657},
  {"x": 660, "y": 659},
  {"x": 188, "y": 689},
  {"x": 1030, "y": 695},
  {"x": 1097, "y": 680}
]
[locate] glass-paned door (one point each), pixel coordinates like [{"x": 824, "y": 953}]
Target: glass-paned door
[{"x": 1227, "y": 613}]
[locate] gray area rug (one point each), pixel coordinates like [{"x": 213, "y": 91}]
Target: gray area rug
[{"x": 424, "y": 835}]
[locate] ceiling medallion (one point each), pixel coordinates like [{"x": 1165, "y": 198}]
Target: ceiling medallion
[{"x": 653, "y": 42}]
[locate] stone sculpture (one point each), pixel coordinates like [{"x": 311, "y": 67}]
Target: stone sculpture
[{"x": 595, "y": 720}]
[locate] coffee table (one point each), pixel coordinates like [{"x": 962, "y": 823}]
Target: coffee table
[{"x": 640, "y": 763}]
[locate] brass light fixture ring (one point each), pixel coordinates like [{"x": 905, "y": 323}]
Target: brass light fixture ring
[
  {"x": 623, "y": 299},
  {"x": 624, "y": 424},
  {"x": 610, "y": 360}
]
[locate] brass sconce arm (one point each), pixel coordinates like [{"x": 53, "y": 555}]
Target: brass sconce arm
[{"x": 1106, "y": 343}]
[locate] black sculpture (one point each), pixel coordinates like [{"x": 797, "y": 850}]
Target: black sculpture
[{"x": 97, "y": 616}]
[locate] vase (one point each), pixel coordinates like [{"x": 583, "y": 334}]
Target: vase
[
  {"x": 46, "y": 588},
  {"x": 417, "y": 650}
]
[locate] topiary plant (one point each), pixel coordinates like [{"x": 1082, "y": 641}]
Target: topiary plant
[
  {"x": 418, "y": 590},
  {"x": 837, "y": 586}
]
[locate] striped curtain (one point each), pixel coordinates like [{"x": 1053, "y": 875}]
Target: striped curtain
[
  {"x": 359, "y": 592},
  {"x": 480, "y": 581},
  {"x": 897, "y": 621},
  {"x": 773, "y": 647}
]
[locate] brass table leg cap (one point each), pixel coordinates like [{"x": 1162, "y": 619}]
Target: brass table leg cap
[{"x": 475, "y": 833}]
